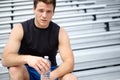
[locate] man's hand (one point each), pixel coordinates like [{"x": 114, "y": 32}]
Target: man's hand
[{"x": 40, "y": 64}]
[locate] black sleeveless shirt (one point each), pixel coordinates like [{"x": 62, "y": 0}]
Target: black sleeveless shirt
[{"x": 40, "y": 42}]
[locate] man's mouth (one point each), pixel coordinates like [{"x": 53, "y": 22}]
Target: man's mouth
[{"x": 43, "y": 20}]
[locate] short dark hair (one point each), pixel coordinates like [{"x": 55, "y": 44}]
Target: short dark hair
[{"x": 45, "y": 1}]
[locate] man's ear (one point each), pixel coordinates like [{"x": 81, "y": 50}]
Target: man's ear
[
  {"x": 33, "y": 9},
  {"x": 53, "y": 13}
]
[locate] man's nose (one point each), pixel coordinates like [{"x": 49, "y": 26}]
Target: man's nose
[{"x": 44, "y": 14}]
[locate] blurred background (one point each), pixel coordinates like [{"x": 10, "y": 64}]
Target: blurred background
[{"x": 93, "y": 27}]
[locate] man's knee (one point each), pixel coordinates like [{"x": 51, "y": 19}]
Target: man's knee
[
  {"x": 18, "y": 72},
  {"x": 14, "y": 70},
  {"x": 69, "y": 76}
]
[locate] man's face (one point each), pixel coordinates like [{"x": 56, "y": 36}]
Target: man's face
[{"x": 43, "y": 14}]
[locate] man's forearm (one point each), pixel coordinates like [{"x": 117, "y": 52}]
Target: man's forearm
[
  {"x": 63, "y": 69},
  {"x": 13, "y": 59}
]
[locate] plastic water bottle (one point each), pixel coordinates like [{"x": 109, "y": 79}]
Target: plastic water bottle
[{"x": 47, "y": 75}]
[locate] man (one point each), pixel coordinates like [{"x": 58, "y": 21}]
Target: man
[{"x": 33, "y": 39}]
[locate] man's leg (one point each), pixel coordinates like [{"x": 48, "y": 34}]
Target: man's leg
[
  {"x": 69, "y": 76},
  {"x": 18, "y": 73}
]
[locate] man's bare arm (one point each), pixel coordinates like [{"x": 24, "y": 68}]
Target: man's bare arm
[
  {"x": 66, "y": 55},
  {"x": 10, "y": 55}
]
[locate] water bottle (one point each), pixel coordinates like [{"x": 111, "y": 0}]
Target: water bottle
[{"x": 47, "y": 75}]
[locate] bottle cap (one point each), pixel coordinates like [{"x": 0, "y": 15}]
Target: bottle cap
[{"x": 46, "y": 57}]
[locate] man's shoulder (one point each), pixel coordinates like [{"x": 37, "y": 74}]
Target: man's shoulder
[
  {"x": 27, "y": 23},
  {"x": 28, "y": 20},
  {"x": 54, "y": 25}
]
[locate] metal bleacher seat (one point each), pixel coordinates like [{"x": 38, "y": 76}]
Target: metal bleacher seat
[
  {"x": 96, "y": 54},
  {"x": 17, "y": 3},
  {"x": 96, "y": 49}
]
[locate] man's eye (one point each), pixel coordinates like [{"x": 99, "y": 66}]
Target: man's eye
[
  {"x": 49, "y": 11},
  {"x": 41, "y": 11}
]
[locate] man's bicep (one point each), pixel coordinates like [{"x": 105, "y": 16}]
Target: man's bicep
[
  {"x": 14, "y": 41},
  {"x": 64, "y": 45}
]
